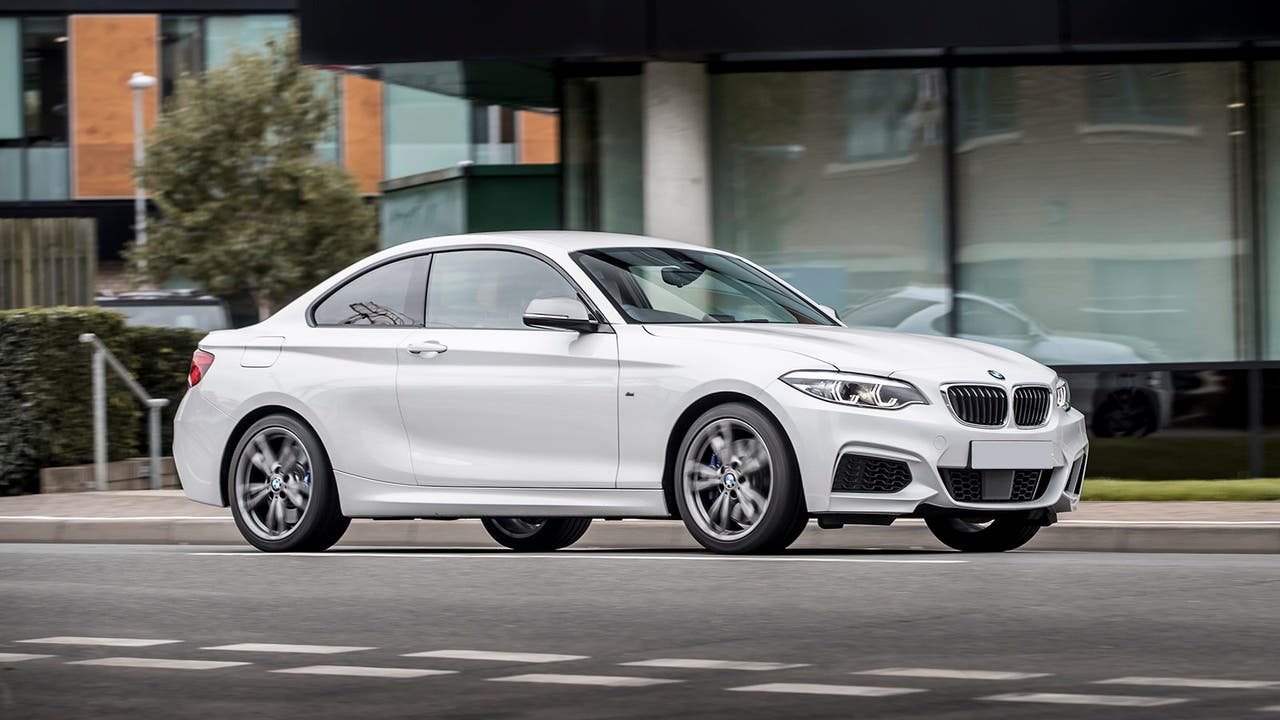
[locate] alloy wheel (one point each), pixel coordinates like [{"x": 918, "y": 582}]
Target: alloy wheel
[
  {"x": 728, "y": 479},
  {"x": 273, "y": 483}
]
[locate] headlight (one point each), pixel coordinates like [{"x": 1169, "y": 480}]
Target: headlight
[
  {"x": 866, "y": 391},
  {"x": 1062, "y": 394}
]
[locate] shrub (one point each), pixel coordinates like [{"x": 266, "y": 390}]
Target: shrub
[{"x": 46, "y": 387}]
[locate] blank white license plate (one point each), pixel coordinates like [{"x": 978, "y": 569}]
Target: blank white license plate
[{"x": 1010, "y": 455}]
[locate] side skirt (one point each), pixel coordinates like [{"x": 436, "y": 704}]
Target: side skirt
[{"x": 364, "y": 498}]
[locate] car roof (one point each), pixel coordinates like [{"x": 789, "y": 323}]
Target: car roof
[{"x": 563, "y": 240}]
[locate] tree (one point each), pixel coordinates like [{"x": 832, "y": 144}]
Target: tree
[{"x": 244, "y": 202}]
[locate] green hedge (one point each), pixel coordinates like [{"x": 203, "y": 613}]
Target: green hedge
[{"x": 46, "y": 390}]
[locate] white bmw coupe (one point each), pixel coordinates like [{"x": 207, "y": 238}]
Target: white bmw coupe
[{"x": 538, "y": 380}]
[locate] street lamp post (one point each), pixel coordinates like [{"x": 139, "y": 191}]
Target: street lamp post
[{"x": 139, "y": 82}]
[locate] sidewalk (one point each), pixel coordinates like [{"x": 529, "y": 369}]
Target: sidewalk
[{"x": 166, "y": 516}]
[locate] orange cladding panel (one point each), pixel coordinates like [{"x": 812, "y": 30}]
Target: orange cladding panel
[
  {"x": 105, "y": 51},
  {"x": 362, "y": 131},
  {"x": 539, "y": 135}
]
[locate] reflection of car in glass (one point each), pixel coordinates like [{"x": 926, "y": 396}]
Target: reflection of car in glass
[
  {"x": 169, "y": 308},
  {"x": 539, "y": 380},
  {"x": 1119, "y": 404}
]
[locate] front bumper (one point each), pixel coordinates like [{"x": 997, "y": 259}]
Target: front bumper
[{"x": 928, "y": 439}]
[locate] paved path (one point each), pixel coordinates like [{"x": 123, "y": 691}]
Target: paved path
[
  {"x": 166, "y": 516},
  {"x": 160, "y": 631}
]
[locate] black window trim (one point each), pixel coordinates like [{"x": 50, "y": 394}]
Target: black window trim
[{"x": 593, "y": 311}]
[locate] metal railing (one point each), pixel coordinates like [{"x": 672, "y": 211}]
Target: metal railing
[{"x": 102, "y": 357}]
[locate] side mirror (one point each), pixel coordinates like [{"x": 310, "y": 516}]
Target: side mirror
[{"x": 559, "y": 313}]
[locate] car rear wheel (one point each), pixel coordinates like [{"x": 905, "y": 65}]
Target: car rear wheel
[
  {"x": 984, "y": 534},
  {"x": 282, "y": 492},
  {"x": 737, "y": 484},
  {"x": 536, "y": 534}
]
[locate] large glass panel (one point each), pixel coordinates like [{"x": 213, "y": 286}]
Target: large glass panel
[
  {"x": 47, "y": 173},
  {"x": 424, "y": 130},
  {"x": 1098, "y": 212},
  {"x": 603, "y": 154},
  {"x": 10, "y": 79},
  {"x": 835, "y": 181},
  {"x": 182, "y": 48},
  {"x": 227, "y": 34},
  {"x": 11, "y": 173},
  {"x": 1268, "y": 145},
  {"x": 1160, "y": 424}
]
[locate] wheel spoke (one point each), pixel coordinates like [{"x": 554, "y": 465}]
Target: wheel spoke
[
  {"x": 288, "y": 456},
  {"x": 713, "y": 512},
  {"x": 724, "y": 511},
  {"x": 701, "y": 477},
  {"x": 295, "y": 496},
  {"x": 265, "y": 458},
  {"x": 752, "y": 454},
  {"x": 721, "y": 435},
  {"x": 255, "y": 493},
  {"x": 751, "y": 496},
  {"x": 279, "y": 522}
]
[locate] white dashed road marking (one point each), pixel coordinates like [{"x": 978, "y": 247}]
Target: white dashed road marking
[
  {"x": 363, "y": 671},
  {"x": 944, "y": 674},
  {"x": 1207, "y": 683},
  {"x": 279, "y": 648},
  {"x": 599, "y": 680},
  {"x": 100, "y": 641},
  {"x": 159, "y": 663},
  {"x": 695, "y": 664},
  {"x": 1074, "y": 699},
  {"x": 19, "y": 657},
  {"x": 820, "y": 689},
  {"x": 1270, "y": 708},
  {"x": 516, "y": 657}
]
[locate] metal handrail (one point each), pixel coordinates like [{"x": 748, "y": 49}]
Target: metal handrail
[{"x": 101, "y": 358}]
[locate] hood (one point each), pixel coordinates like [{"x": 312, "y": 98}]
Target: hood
[{"x": 876, "y": 352}]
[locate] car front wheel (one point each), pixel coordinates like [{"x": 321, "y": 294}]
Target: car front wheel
[
  {"x": 536, "y": 534},
  {"x": 984, "y": 534},
  {"x": 736, "y": 482}
]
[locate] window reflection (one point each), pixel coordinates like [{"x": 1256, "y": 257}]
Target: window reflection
[
  {"x": 1107, "y": 219},
  {"x": 833, "y": 180}
]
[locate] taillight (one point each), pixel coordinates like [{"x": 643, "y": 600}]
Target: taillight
[{"x": 200, "y": 362}]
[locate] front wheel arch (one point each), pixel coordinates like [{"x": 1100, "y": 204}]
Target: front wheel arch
[{"x": 681, "y": 427}]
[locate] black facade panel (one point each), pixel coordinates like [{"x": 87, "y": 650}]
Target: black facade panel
[
  {"x": 347, "y": 32},
  {"x": 178, "y": 7},
  {"x": 683, "y": 28},
  {"x": 1122, "y": 22},
  {"x": 115, "y": 219}
]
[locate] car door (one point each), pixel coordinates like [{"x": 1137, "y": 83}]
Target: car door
[
  {"x": 343, "y": 365},
  {"x": 489, "y": 402}
]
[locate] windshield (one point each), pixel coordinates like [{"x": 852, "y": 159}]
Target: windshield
[
  {"x": 669, "y": 285},
  {"x": 196, "y": 317}
]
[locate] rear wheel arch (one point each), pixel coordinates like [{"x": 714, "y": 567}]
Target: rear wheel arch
[
  {"x": 686, "y": 419},
  {"x": 233, "y": 439}
]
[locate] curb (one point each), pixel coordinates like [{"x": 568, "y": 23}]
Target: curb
[{"x": 1085, "y": 536}]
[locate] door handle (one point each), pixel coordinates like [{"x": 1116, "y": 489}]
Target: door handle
[{"x": 430, "y": 348}]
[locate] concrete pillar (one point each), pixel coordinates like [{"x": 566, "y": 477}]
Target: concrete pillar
[{"x": 677, "y": 154}]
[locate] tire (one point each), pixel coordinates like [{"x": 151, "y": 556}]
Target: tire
[
  {"x": 757, "y": 486},
  {"x": 536, "y": 534},
  {"x": 802, "y": 522},
  {"x": 281, "y": 488},
  {"x": 1000, "y": 535}
]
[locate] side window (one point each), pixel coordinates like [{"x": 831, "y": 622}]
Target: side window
[
  {"x": 488, "y": 288},
  {"x": 391, "y": 294}
]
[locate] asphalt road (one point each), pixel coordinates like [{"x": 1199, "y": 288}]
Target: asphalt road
[{"x": 1049, "y": 635}]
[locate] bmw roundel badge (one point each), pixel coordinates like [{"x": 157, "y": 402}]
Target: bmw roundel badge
[{"x": 996, "y": 375}]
